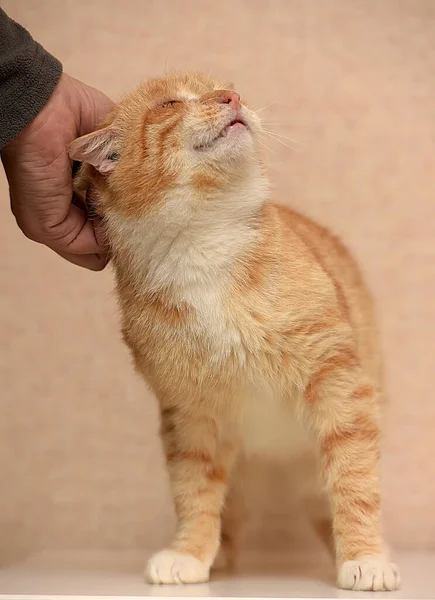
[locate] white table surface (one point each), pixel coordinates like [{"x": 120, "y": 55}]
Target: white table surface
[{"x": 119, "y": 575}]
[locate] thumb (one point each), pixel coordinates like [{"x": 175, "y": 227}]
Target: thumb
[{"x": 94, "y": 108}]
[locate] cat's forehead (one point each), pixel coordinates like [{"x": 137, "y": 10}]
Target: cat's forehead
[
  {"x": 187, "y": 87},
  {"x": 187, "y": 94}
]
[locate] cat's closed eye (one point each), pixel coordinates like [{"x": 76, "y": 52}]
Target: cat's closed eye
[{"x": 168, "y": 104}]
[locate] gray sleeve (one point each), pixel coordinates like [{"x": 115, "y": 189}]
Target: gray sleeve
[{"x": 28, "y": 76}]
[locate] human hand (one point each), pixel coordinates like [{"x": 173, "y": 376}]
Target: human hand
[{"x": 39, "y": 173}]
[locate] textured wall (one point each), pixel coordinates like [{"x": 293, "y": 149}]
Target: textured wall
[{"x": 353, "y": 81}]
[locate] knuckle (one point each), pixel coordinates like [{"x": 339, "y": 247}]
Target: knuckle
[
  {"x": 39, "y": 230},
  {"x": 55, "y": 232},
  {"x": 29, "y": 229}
]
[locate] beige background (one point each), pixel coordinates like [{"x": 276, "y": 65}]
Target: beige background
[{"x": 353, "y": 81}]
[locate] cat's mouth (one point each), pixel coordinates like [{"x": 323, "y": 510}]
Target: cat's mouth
[{"x": 233, "y": 129}]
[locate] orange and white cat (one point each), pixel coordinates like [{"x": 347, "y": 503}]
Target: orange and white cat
[{"x": 251, "y": 324}]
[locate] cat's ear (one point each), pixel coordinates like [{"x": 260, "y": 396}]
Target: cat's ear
[{"x": 99, "y": 149}]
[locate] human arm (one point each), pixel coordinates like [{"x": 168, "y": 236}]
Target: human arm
[{"x": 41, "y": 112}]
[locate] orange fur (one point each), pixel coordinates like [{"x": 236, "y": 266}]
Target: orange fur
[{"x": 251, "y": 323}]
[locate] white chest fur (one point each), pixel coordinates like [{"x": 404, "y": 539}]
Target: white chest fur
[{"x": 189, "y": 253}]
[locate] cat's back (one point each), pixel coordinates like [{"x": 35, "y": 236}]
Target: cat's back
[{"x": 352, "y": 292}]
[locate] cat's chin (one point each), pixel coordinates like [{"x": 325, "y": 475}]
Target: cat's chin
[{"x": 233, "y": 130}]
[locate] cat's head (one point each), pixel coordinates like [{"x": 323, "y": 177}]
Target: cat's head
[{"x": 182, "y": 131}]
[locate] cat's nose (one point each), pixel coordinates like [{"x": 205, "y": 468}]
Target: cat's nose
[{"x": 231, "y": 98}]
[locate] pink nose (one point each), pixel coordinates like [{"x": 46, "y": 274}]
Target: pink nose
[{"x": 231, "y": 98}]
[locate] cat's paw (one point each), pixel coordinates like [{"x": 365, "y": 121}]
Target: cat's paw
[
  {"x": 369, "y": 574},
  {"x": 173, "y": 567}
]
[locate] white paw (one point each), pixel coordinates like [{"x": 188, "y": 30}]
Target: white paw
[
  {"x": 169, "y": 566},
  {"x": 369, "y": 574}
]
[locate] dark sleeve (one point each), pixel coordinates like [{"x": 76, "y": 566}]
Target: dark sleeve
[{"x": 28, "y": 76}]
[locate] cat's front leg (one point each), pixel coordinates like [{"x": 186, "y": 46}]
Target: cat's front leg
[
  {"x": 343, "y": 407},
  {"x": 199, "y": 464}
]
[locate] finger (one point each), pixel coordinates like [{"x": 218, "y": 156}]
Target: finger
[
  {"x": 95, "y": 108},
  {"x": 93, "y": 262},
  {"x": 74, "y": 235},
  {"x": 42, "y": 204}
]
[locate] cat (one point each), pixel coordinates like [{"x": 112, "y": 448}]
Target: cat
[{"x": 251, "y": 324}]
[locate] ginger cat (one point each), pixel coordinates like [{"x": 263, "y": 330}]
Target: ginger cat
[{"x": 251, "y": 324}]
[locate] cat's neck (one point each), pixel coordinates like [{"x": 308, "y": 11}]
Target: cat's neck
[{"x": 191, "y": 243}]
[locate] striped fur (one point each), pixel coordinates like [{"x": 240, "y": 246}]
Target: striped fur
[{"x": 251, "y": 323}]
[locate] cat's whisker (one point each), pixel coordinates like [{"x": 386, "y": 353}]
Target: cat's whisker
[
  {"x": 259, "y": 110},
  {"x": 276, "y": 120},
  {"x": 286, "y": 125},
  {"x": 280, "y": 135},
  {"x": 166, "y": 66},
  {"x": 280, "y": 141},
  {"x": 265, "y": 146}
]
